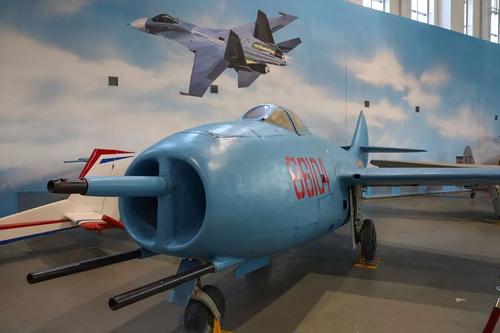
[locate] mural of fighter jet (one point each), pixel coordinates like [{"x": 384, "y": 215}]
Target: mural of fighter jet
[
  {"x": 230, "y": 195},
  {"x": 249, "y": 49}
]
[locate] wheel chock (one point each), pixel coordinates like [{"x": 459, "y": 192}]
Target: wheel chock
[{"x": 367, "y": 264}]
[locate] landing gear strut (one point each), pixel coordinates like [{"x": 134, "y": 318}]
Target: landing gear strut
[
  {"x": 205, "y": 309},
  {"x": 363, "y": 230}
]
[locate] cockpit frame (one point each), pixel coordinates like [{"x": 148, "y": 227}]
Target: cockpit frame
[
  {"x": 278, "y": 116},
  {"x": 165, "y": 18}
]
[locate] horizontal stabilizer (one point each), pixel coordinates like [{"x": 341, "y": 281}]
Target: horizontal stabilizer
[
  {"x": 262, "y": 30},
  {"x": 375, "y": 149},
  {"x": 414, "y": 164},
  {"x": 289, "y": 45},
  {"x": 245, "y": 79},
  {"x": 419, "y": 176}
]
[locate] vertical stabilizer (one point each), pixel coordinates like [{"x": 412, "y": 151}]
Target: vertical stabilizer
[
  {"x": 360, "y": 139},
  {"x": 262, "y": 30}
]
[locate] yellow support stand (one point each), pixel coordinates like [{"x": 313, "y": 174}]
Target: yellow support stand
[
  {"x": 217, "y": 327},
  {"x": 362, "y": 263}
]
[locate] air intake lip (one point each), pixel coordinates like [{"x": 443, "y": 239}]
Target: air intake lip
[{"x": 170, "y": 220}]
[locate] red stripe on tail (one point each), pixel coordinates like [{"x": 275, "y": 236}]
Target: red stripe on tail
[{"x": 94, "y": 157}]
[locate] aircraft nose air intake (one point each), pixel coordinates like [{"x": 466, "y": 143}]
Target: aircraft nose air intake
[
  {"x": 170, "y": 220},
  {"x": 139, "y": 24}
]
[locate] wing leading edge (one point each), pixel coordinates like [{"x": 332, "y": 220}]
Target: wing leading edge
[{"x": 419, "y": 176}]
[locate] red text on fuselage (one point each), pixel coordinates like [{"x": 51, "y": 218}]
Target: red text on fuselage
[{"x": 309, "y": 176}]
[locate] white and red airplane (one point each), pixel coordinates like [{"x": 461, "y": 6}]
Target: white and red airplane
[{"x": 90, "y": 213}]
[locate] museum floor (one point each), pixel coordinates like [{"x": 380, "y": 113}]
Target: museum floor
[{"x": 440, "y": 267}]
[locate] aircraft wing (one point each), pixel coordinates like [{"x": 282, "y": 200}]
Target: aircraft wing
[
  {"x": 209, "y": 63},
  {"x": 419, "y": 176},
  {"x": 413, "y": 164},
  {"x": 275, "y": 23},
  {"x": 93, "y": 221},
  {"x": 75, "y": 211}
]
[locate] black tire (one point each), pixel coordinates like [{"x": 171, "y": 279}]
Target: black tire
[
  {"x": 197, "y": 317},
  {"x": 368, "y": 239},
  {"x": 217, "y": 296}
]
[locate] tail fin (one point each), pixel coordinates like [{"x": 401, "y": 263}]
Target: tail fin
[
  {"x": 289, "y": 45},
  {"x": 360, "y": 139},
  {"x": 99, "y": 162},
  {"x": 234, "y": 51},
  {"x": 468, "y": 156},
  {"x": 359, "y": 145},
  {"x": 262, "y": 30}
]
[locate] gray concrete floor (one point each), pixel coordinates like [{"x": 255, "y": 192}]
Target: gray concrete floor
[{"x": 440, "y": 266}]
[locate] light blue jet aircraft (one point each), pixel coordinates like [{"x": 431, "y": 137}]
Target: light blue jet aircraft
[
  {"x": 249, "y": 49},
  {"x": 233, "y": 194}
]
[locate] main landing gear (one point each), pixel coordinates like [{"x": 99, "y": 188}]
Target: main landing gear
[
  {"x": 205, "y": 309},
  {"x": 363, "y": 230},
  {"x": 368, "y": 240}
]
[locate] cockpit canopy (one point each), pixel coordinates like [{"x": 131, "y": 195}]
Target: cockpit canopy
[
  {"x": 165, "y": 18},
  {"x": 278, "y": 116}
]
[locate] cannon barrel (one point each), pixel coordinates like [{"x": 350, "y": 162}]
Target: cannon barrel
[
  {"x": 123, "y": 186},
  {"x": 135, "y": 295},
  {"x": 82, "y": 266},
  {"x": 63, "y": 185}
]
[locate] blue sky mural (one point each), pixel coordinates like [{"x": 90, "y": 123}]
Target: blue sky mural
[{"x": 57, "y": 55}]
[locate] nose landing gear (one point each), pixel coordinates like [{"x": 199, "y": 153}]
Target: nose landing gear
[{"x": 205, "y": 310}]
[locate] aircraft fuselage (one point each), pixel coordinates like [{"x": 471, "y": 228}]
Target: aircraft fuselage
[
  {"x": 255, "y": 51},
  {"x": 245, "y": 181}
]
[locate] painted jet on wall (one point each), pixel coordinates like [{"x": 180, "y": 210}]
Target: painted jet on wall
[
  {"x": 249, "y": 49},
  {"x": 232, "y": 194},
  {"x": 89, "y": 213}
]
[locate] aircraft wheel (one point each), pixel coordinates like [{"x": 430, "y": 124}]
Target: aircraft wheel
[
  {"x": 218, "y": 297},
  {"x": 368, "y": 238},
  {"x": 197, "y": 317}
]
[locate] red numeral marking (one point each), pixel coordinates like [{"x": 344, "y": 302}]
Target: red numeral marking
[
  {"x": 296, "y": 176},
  {"x": 308, "y": 176}
]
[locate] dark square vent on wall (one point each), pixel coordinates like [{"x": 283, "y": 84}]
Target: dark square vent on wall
[
  {"x": 417, "y": 108},
  {"x": 113, "y": 81},
  {"x": 214, "y": 89},
  {"x": 367, "y": 104}
]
